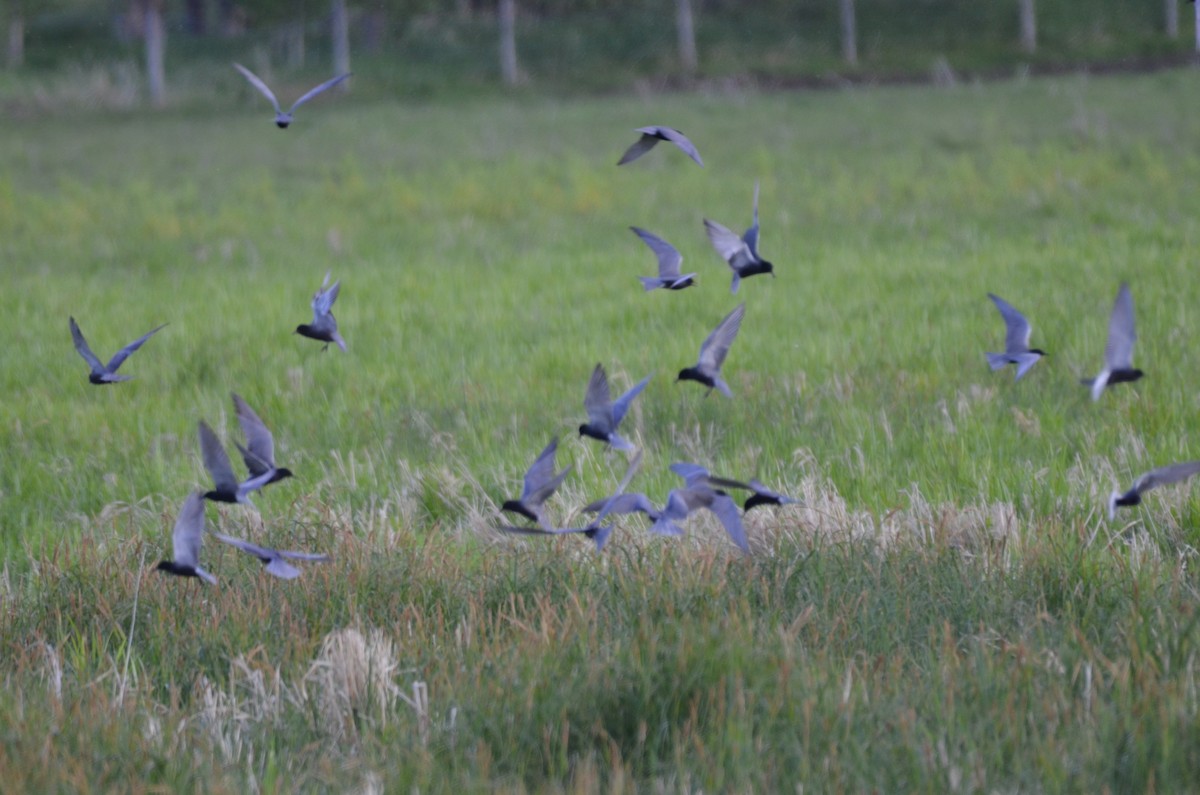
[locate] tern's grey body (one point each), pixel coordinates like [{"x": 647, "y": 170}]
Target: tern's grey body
[
  {"x": 1016, "y": 340},
  {"x": 324, "y": 325},
  {"x": 713, "y": 351},
  {"x": 669, "y": 275},
  {"x": 259, "y": 452},
  {"x": 540, "y": 483},
  {"x": 106, "y": 373},
  {"x": 189, "y": 532},
  {"x": 605, "y": 414},
  {"x": 651, "y": 136},
  {"x": 1173, "y": 473},
  {"x": 275, "y": 561},
  {"x": 1118, "y": 352},
  {"x": 226, "y": 487},
  {"x": 683, "y": 502},
  {"x": 740, "y": 253},
  {"x": 284, "y": 117}
]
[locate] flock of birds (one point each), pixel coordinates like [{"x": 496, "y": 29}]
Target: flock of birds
[{"x": 700, "y": 490}]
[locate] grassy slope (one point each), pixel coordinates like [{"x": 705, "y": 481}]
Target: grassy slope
[{"x": 486, "y": 268}]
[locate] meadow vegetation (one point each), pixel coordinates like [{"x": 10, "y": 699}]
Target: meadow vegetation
[{"x": 951, "y": 610}]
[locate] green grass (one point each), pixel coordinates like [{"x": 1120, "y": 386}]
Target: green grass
[{"x": 950, "y": 611}]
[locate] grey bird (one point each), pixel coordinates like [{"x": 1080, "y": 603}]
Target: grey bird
[
  {"x": 740, "y": 253},
  {"x": 683, "y": 502},
  {"x": 1173, "y": 473},
  {"x": 1118, "y": 353},
  {"x": 259, "y": 452},
  {"x": 605, "y": 414},
  {"x": 669, "y": 275},
  {"x": 695, "y": 475},
  {"x": 540, "y": 483},
  {"x": 189, "y": 532},
  {"x": 284, "y": 117},
  {"x": 595, "y": 530},
  {"x": 275, "y": 561},
  {"x": 324, "y": 325},
  {"x": 630, "y": 502},
  {"x": 650, "y": 138},
  {"x": 226, "y": 487},
  {"x": 1016, "y": 340},
  {"x": 713, "y": 351},
  {"x": 107, "y": 373}
]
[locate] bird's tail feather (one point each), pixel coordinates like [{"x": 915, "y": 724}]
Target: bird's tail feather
[{"x": 997, "y": 360}]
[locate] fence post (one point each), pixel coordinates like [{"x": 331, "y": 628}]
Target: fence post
[
  {"x": 507, "y": 11},
  {"x": 849, "y": 32},
  {"x": 1028, "y": 26},
  {"x": 687, "y": 35}
]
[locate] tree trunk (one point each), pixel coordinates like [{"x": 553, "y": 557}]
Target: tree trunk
[
  {"x": 1028, "y": 26},
  {"x": 1171, "y": 8},
  {"x": 340, "y": 30},
  {"x": 16, "y": 42},
  {"x": 156, "y": 45},
  {"x": 687, "y": 35},
  {"x": 507, "y": 11},
  {"x": 849, "y": 32}
]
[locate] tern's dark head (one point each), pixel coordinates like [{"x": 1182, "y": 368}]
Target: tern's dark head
[
  {"x": 280, "y": 474},
  {"x": 171, "y": 567},
  {"x": 282, "y": 123},
  {"x": 583, "y": 429},
  {"x": 1038, "y": 351}
]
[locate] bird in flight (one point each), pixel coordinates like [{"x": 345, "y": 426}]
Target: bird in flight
[
  {"x": 1118, "y": 353},
  {"x": 324, "y": 326},
  {"x": 740, "y": 253},
  {"x": 189, "y": 532},
  {"x": 713, "y": 351},
  {"x": 284, "y": 117},
  {"x": 107, "y": 373},
  {"x": 1016, "y": 340},
  {"x": 1172, "y": 473},
  {"x": 650, "y": 138}
]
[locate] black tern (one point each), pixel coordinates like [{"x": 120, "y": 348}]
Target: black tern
[
  {"x": 540, "y": 483},
  {"x": 324, "y": 324},
  {"x": 226, "y": 487},
  {"x": 189, "y": 532},
  {"x": 741, "y": 253},
  {"x": 604, "y": 414},
  {"x": 1118, "y": 353},
  {"x": 651, "y": 136},
  {"x": 259, "y": 452},
  {"x": 695, "y": 475},
  {"x": 1162, "y": 476},
  {"x": 275, "y": 561},
  {"x": 107, "y": 373},
  {"x": 1016, "y": 340},
  {"x": 284, "y": 118},
  {"x": 715, "y": 347},
  {"x": 669, "y": 261},
  {"x": 594, "y": 530},
  {"x": 682, "y": 502}
]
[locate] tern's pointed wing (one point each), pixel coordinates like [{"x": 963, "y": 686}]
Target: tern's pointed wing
[
  {"x": 120, "y": 356},
  {"x": 598, "y": 401},
  {"x": 680, "y": 140},
  {"x": 541, "y": 471},
  {"x": 692, "y": 474},
  {"x": 751, "y": 236},
  {"x": 216, "y": 460},
  {"x": 1172, "y": 473},
  {"x": 262, "y": 553},
  {"x": 632, "y": 502},
  {"x": 621, "y": 406},
  {"x": 1017, "y": 328},
  {"x": 82, "y": 347},
  {"x": 256, "y": 465},
  {"x": 732, "y": 248},
  {"x": 716, "y": 345},
  {"x": 669, "y": 259},
  {"x": 323, "y": 299},
  {"x": 638, "y": 148},
  {"x": 189, "y": 530},
  {"x": 630, "y": 471},
  {"x": 328, "y": 84},
  {"x": 259, "y": 84},
  {"x": 258, "y": 439},
  {"x": 727, "y": 511},
  {"x": 1118, "y": 353}
]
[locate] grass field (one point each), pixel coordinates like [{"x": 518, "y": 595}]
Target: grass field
[{"x": 951, "y": 610}]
